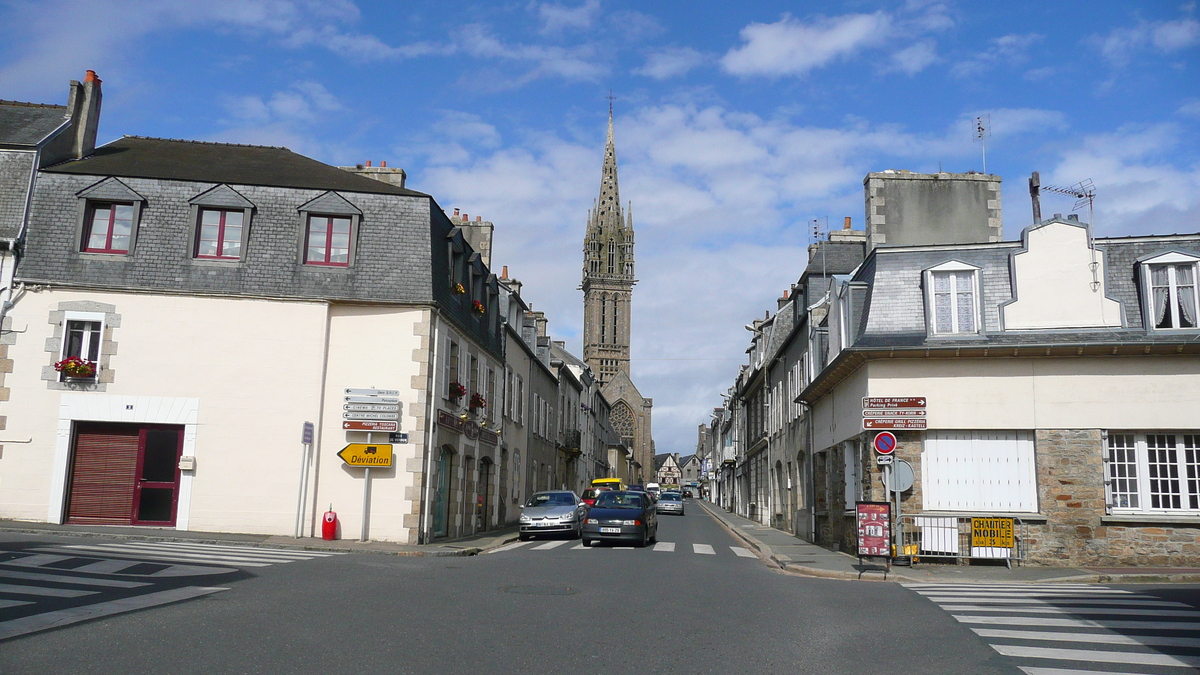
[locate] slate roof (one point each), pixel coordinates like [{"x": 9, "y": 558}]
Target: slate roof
[
  {"x": 27, "y": 124},
  {"x": 835, "y": 257},
  {"x": 169, "y": 159},
  {"x": 659, "y": 460}
]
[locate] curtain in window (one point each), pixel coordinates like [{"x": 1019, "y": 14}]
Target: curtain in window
[
  {"x": 1160, "y": 283},
  {"x": 942, "y": 309},
  {"x": 1185, "y": 286},
  {"x": 965, "y": 292}
]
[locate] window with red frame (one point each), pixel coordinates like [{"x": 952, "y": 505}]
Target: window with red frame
[
  {"x": 109, "y": 228},
  {"x": 328, "y": 241},
  {"x": 219, "y": 235}
]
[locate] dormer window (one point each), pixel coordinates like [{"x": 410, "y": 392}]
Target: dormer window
[
  {"x": 328, "y": 241},
  {"x": 109, "y": 228},
  {"x": 952, "y": 299},
  {"x": 1169, "y": 284},
  {"x": 220, "y": 234}
]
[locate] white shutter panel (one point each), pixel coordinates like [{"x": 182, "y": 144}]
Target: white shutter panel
[{"x": 440, "y": 381}]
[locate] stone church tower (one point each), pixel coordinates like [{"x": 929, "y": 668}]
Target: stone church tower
[{"x": 608, "y": 280}]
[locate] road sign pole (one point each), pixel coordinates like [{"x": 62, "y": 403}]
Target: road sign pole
[
  {"x": 305, "y": 447},
  {"x": 366, "y": 510}
]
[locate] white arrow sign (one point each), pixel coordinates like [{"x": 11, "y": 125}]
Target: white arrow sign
[
  {"x": 373, "y": 392},
  {"x": 370, "y": 416},
  {"x": 365, "y": 407},
  {"x": 372, "y": 399}
]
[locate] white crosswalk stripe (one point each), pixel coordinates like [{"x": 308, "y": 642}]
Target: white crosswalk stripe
[
  {"x": 1091, "y": 625},
  {"x": 549, "y": 545},
  {"x": 668, "y": 546},
  {"x": 660, "y": 547},
  {"x": 742, "y": 552},
  {"x": 704, "y": 549},
  {"x": 212, "y": 554}
]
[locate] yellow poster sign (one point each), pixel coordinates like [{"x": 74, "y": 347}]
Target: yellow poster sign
[
  {"x": 992, "y": 532},
  {"x": 367, "y": 454}
]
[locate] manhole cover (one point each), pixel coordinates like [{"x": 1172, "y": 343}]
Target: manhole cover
[{"x": 540, "y": 590}]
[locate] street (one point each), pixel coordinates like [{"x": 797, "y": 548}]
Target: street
[{"x": 697, "y": 602}]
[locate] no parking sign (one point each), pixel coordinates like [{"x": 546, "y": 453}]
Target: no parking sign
[{"x": 885, "y": 442}]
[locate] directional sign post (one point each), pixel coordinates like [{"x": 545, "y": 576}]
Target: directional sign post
[
  {"x": 367, "y": 455},
  {"x": 306, "y": 441}
]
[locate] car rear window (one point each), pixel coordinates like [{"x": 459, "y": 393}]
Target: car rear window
[
  {"x": 670, "y": 497},
  {"x": 619, "y": 500}
]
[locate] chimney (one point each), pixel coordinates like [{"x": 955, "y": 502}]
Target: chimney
[
  {"x": 368, "y": 163},
  {"x": 783, "y": 300},
  {"x": 466, "y": 217},
  {"x": 478, "y": 219},
  {"x": 504, "y": 272},
  {"x": 383, "y": 164},
  {"x": 455, "y": 213},
  {"x": 539, "y": 318},
  {"x": 561, "y": 344},
  {"x": 85, "y": 115},
  {"x": 846, "y": 226}
]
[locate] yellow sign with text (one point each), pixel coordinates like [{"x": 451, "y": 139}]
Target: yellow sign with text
[
  {"x": 992, "y": 532},
  {"x": 370, "y": 455}
]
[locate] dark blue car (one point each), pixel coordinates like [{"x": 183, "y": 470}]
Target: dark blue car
[{"x": 621, "y": 517}]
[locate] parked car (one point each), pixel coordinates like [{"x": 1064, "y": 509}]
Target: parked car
[
  {"x": 670, "y": 502},
  {"x": 687, "y": 493},
  {"x": 621, "y": 516},
  {"x": 554, "y": 511},
  {"x": 589, "y": 495}
]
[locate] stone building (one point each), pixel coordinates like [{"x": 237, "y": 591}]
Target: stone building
[{"x": 608, "y": 280}]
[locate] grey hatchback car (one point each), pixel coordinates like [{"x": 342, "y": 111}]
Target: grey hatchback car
[
  {"x": 551, "y": 512},
  {"x": 670, "y": 502}
]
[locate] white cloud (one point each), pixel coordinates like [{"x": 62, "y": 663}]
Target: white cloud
[
  {"x": 792, "y": 47},
  {"x": 671, "y": 62},
  {"x": 1189, "y": 108},
  {"x": 571, "y": 63},
  {"x": 1010, "y": 50},
  {"x": 914, "y": 58},
  {"x": 556, "y": 18},
  {"x": 1166, "y": 37}
]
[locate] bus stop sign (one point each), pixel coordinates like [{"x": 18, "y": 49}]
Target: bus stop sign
[{"x": 885, "y": 442}]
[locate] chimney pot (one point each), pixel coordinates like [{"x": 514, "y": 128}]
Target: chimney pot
[
  {"x": 465, "y": 216},
  {"x": 455, "y": 213},
  {"x": 368, "y": 162},
  {"x": 383, "y": 164},
  {"x": 90, "y": 76},
  {"x": 504, "y": 272},
  {"x": 785, "y": 293},
  {"x": 478, "y": 219},
  {"x": 847, "y": 225}
]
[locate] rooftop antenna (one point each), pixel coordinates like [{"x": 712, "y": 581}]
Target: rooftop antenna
[
  {"x": 1084, "y": 192},
  {"x": 983, "y": 131}
]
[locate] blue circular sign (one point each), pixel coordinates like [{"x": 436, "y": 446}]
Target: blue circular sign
[{"x": 885, "y": 442}]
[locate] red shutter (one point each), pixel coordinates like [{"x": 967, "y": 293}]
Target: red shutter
[{"x": 103, "y": 475}]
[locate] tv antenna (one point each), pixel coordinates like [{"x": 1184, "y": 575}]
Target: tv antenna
[
  {"x": 1084, "y": 193},
  {"x": 983, "y": 131}
]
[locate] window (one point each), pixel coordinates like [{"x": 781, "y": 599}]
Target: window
[
  {"x": 81, "y": 339},
  {"x": 1173, "y": 295},
  {"x": 520, "y": 402},
  {"x": 1154, "y": 472},
  {"x": 853, "y": 473},
  {"x": 328, "y": 241},
  {"x": 451, "y": 375},
  {"x": 219, "y": 235},
  {"x": 109, "y": 228},
  {"x": 954, "y": 302}
]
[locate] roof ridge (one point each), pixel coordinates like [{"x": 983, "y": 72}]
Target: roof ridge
[
  {"x": 187, "y": 140},
  {"x": 25, "y": 104}
]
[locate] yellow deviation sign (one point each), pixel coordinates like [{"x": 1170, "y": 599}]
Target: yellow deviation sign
[
  {"x": 367, "y": 454},
  {"x": 992, "y": 532}
]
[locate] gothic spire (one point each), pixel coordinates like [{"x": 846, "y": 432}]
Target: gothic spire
[{"x": 609, "y": 215}]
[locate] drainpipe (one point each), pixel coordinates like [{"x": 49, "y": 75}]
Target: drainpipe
[
  {"x": 423, "y": 533},
  {"x": 316, "y": 449}
]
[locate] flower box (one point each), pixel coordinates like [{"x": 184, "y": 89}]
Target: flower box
[
  {"x": 478, "y": 308},
  {"x": 457, "y": 390},
  {"x": 458, "y": 289},
  {"x": 76, "y": 368},
  {"x": 478, "y": 401}
]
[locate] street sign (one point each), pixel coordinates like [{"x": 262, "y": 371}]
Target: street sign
[
  {"x": 885, "y": 443},
  {"x": 894, "y": 423},
  {"x": 370, "y": 425},
  {"x": 371, "y": 399},
  {"x": 883, "y": 460},
  {"x": 372, "y": 392},
  {"x": 900, "y": 478},
  {"x": 874, "y": 528},
  {"x": 370, "y": 416},
  {"x": 367, "y": 454},
  {"x": 366, "y": 407},
  {"x": 306, "y": 436},
  {"x": 905, "y": 412},
  {"x": 398, "y": 438},
  {"x": 893, "y": 402},
  {"x": 992, "y": 532}
]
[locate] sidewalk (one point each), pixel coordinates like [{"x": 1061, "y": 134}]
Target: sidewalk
[
  {"x": 793, "y": 554},
  {"x": 471, "y": 545}
]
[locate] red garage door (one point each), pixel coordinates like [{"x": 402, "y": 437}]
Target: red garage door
[{"x": 124, "y": 474}]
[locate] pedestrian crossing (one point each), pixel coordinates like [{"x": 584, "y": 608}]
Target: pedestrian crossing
[
  {"x": 51, "y": 586},
  {"x": 1075, "y": 629},
  {"x": 660, "y": 547}
]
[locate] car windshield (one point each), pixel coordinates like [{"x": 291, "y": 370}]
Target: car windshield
[
  {"x": 619, "y": 500},
  {"x": 552, "y": 499},
  {"x": 670, "y": 497}
]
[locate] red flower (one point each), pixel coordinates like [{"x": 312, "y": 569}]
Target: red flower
[
  {"x": 478, "y": 307},
  {"x": 456, "y": 389},
  {"x": 74, "y": 366},
  {"x": 478, "y": 401}
]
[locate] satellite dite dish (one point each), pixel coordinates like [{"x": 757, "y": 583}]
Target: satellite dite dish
[{"x": 902, "y": 476}]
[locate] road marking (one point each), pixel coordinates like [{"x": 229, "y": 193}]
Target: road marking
[
  {"x": 622, "y": 548},
  {"x": 119, "y": 551},
  {"x": 1097, "y": 656},
  {"x": 745, "y": 553},
  {"x": 65, "y": 617},
  {"x": 1013, "y": 593},
  {"x": 191, "y": 552},
  {"x": 1075, "y": 611},
  {"x": 704, "y": 549},
  {"x": 63, "y": 578},
  {"x": 1098, "y": 638},
  {"x": 509, "y": 547},
  {"x": 549, "y": 545},
  {"x": 667, "y": 546},
  {"x": 1082, "y": 588},
  {"x": 16, "y": 589},
  {"x": 1029, "y": 670},
  {"x": 14, "y": 603},
  {"x": 1124, "y": 602},
  {"x": 1073, "y": 623},
  {"x": 578, "y": 547}
]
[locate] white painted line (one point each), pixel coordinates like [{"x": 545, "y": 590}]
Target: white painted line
[
  {"x": 1097, "y": 656},
  {"x": 549, "y": 545},
  {"x": 63, "y": 578},
  {"x": 666, "y": 546},
  {"x": 17, "y": 589},
  {"x": 1030, "y": 670},
  {"x": 622, "y": 548},
  {"x": 742, "y": 552},
  {"x": 578, "y": 547},
  {"x": 1075, "y": 623},
  {"x": 1028, "y": 594},
  {"x": 1097, "y": 638},
  {"x": 1001, "y": 586},
  {"x": 65, "y": 617},
  {"x": 13, "y": 603},
  {"x": 1077, "y": 611},
  {"x": 509, "y": 547},
  {"x": 704, "y": 549},
  {"x": 1124, "y": 602},
  {"x": 138, "y": 549},
  {"x": 148, "y": 556},
  {"x": 238, "y": 550},
  {"x": 37, "y": 560}
]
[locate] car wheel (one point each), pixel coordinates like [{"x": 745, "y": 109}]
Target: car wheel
[
  {"x": 587, "y": 543},
  {"x": 645, "y": 537},
  {"x": 523, "y": 537},
  {"x": 654, "y": 537}
]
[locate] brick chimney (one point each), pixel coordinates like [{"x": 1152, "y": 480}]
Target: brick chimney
[{"x": 84, "y": 104}]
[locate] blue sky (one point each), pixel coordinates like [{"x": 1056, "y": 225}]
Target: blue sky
[{"x": 737, "y": 124}]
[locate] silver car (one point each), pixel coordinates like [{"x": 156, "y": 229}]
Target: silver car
[
  {"x": 553, "y": 512},
  {"x": 670, "y": 502}
]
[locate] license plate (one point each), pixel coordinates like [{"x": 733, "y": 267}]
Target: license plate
[
  {"x": 544, "y": 524},
  {"x": 610, "y": 530}
]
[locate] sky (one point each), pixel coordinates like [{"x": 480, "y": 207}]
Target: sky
[{"x": 737, "y": 124}]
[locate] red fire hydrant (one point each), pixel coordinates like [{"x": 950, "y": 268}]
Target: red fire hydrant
[{"x": 329, "y": 525}]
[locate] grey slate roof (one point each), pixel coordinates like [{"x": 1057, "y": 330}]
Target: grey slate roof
[
  {"x": 140, "y": 157},
  {"x": 835, "y": 257},
  {"x": 27, "y": 124}
]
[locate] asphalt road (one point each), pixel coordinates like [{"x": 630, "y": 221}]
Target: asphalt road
[{"x": 529, "y": 609}]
